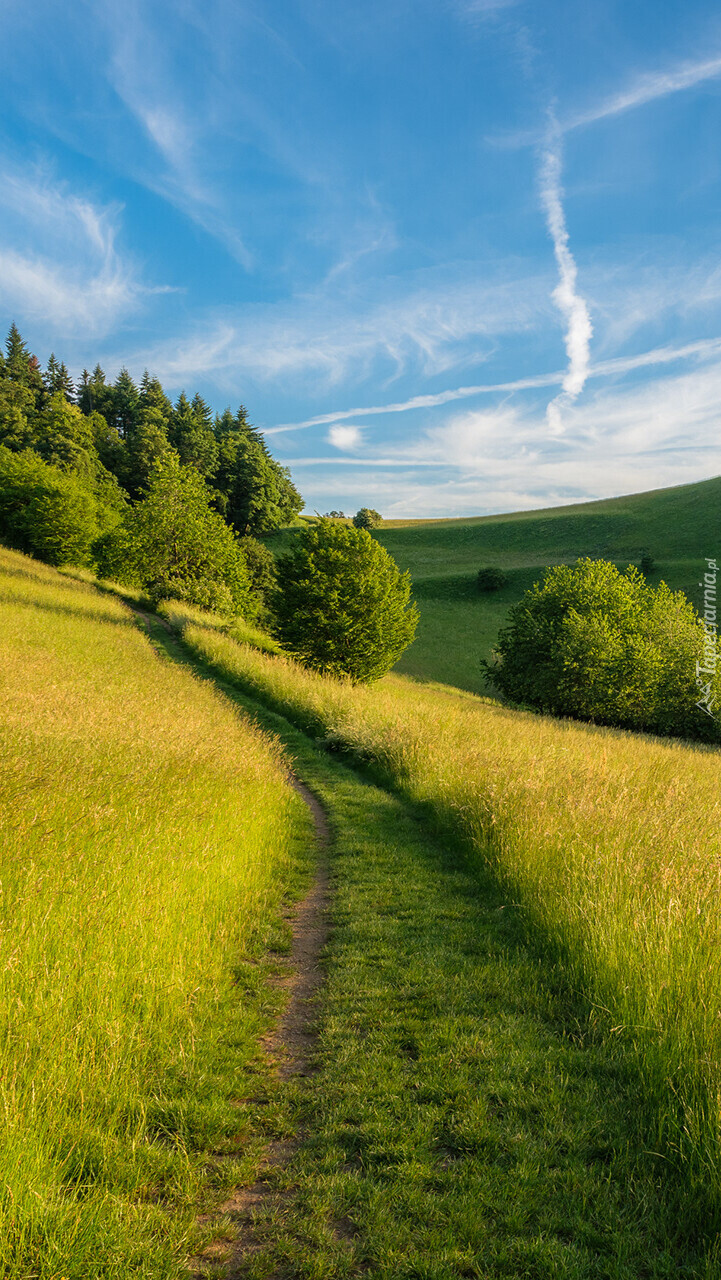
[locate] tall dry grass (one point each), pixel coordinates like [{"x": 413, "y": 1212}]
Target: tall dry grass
[
  {"x": 148, "y": 840},
  {"x": 611, "y": 841}
]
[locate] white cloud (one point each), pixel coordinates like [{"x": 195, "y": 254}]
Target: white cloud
[
  {"x": 345, "y": 437},
  {"x": 477, "y": 10},
  {"x": 332, "y": 338},
  {"x": 622, "y": 440},
  {"x": 648, "y": 87},
  {"x": 79, "y": 280},
  {"x": 141, "y": 78},
  {"x": 569, "y": 302},
  {"x": 422, "y": 402},
  {"x": 704, "y": 349},
  {"x": 617, "y": 426}
]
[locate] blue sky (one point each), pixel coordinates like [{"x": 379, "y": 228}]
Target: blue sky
[{"x": 456, "y": 256}]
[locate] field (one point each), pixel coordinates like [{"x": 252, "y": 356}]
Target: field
[
  {"x": 607, "y": 842},
  {"x": 150, "y": 841},
  {"x": 458, "y": 626},
  {"x": 517, "y": 1069}
]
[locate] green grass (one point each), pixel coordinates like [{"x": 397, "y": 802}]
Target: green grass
[
  {"x": 468, "y": 1118},
  {"x": 458, "y": 627},
  {"x": 150, "y": 842},
  {"x": 466, "y": 1121},
  {"x": 609, "y": 841}
]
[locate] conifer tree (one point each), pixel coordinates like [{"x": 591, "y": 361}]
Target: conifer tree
[
  {"x": 66, "y": 384},
  {"x": 17, "y": 356},
  {"x": 152, "y": 396},
  {"x": 95, "y": 394},
  {"x": 147, "y": 446},
  {"x": 191, "y": 434},
  {"x": 57, "y": 378},
  {"x": 257, "y": 493},
  {"x": 21, "y": 366},
  {"x": 125, "y": 404},
  {"x": 51, "y": 377}
]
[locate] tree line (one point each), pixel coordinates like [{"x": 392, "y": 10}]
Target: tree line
[
  {"x": 159, "y": 495},
  {"x": 168, "y": 498},
  {"x": 119, "y": 432}
]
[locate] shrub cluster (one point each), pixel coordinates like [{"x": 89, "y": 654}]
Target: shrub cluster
[
  {"x": 176, "y": 546},
  {"x": 596, "y": 644},
  {"x": 491, "y": 579},
  {"x": 367, "y": 518},
  {"x": 44, "y": 511},
  {"x": 342, "y": 605}
]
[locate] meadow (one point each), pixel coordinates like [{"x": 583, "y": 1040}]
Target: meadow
[
  {"x": 462, "y": 1117},
  {"x": 608, "y": 844},
  {"x": 459, "y": 626},
  {"x": 151, "y": 844}
]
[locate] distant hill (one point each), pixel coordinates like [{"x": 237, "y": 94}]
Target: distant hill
[{"x": 678, "y": 526}]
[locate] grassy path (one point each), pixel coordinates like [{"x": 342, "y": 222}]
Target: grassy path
[{"x": 461, "y": 1122}]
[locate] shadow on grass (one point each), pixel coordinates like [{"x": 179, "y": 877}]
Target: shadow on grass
[{"x": 467, "y": 1120}]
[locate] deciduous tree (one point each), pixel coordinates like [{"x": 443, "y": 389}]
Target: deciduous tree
[
  {"x": 591, "y": 642},
  {"x": 342, "y": 605}
]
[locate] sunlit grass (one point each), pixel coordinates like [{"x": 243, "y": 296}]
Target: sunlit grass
[
  {"x": 149, "y": 840},
  {"x": 180, "y": 615},
  {"x": 610, "y": 841},
  {"x": 464, "y": 1120}
]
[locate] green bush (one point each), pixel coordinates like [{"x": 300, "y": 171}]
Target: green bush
[
  {"x": 260, "y": 563},
  {"x": 596, "y": 644},
  {"x": 491, "y": 579},
  {"x": 175, "y": 546},
  {"x": 342, "y": 605},
  {"x": 367, "y": 518},
  {"x": 45, "y": 511}
]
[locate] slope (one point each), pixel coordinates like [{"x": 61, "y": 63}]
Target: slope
[
  {"x": 150, "y": 840},
  {"x": 458, "y": 627}
]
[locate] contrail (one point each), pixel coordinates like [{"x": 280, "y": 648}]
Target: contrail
[
  {"x": 567, "y": 299},
  {"x": 705, "y": 348}
]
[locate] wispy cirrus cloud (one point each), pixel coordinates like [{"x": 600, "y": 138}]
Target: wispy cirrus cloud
[
  {"x": 647, "y": 87},
  {"x": 141, "y": 71},
  {"x": 703, "y": 349},
  {"x": 566, "y": 296},
  {"x": 477, "y": 10},
  {"x": 79, "y": 280},
  {"x": 622, "y": 440},
  {"x": 328, "y": 338},
  {"x": 643, "y": 88}
]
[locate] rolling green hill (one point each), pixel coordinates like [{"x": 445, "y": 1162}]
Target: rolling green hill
[{"x": 678, "y": 526}]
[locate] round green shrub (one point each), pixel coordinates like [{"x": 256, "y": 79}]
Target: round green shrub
[
  {"x": 367, "y": 518},
  {"x": 342, "y": 605},
  {"x": 491, "y": 579},
  {"x": 590, "y": 642}
]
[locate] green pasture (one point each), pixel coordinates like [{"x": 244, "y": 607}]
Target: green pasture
[{"x": 458, "y": 627}]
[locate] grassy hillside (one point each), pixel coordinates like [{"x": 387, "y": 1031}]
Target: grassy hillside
[
  {"x": 608, "y": 844},
  {"x": 149, "y": 840},
  {"x": 458, "y": 626}
]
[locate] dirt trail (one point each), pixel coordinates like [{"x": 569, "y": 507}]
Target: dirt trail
[{"x": 289, "y": 1048}]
